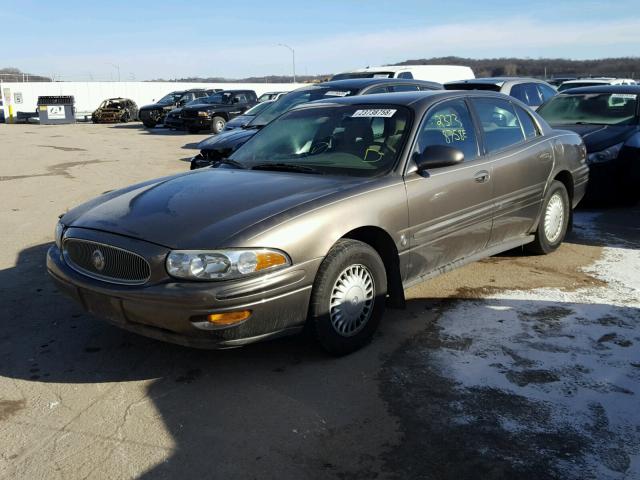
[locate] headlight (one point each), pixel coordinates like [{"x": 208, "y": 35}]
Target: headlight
[
  {"x": 203, "y": 114},
  {"x": 57, "y": 236},
  {"x": 223, "y": 264},
  {"x": 605, "y": 155}
]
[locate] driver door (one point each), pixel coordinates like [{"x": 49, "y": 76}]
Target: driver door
[{"x": 450, "y": 208}]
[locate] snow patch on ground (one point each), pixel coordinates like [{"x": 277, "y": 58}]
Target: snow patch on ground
[{"x": 574, "y": 354}]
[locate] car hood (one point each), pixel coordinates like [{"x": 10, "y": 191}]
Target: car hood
[
  {"x": 158, "y": 106},
  {"x": 599, "y": 137},
  {"x": 228, "y": 140},
  {"x": 206, "y": 106},
  {"x": 201, "y": 209}
]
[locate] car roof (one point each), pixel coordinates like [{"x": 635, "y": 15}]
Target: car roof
[
  {"x": 605, "y": 88},
  {"x": 415, "y": 100},
  {"x": 494, "y": 80},
  {"x": 360, "y": 83},
  {"x": 235, "y": 91}
]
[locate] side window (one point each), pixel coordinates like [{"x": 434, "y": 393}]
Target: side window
[
  {"x": 527, "y": 93},
  {"x": 405, "y": 75},
  {"x": 449, "y": 124},
  {"x": 499, "y": 123},
  {"x": 241, "y": 98},
  {"x": 528, "y": 125},
  {"x": 375, "y": 90},
  {"x": 404, "y": 88},
  {"x": 546, "y": 92}
]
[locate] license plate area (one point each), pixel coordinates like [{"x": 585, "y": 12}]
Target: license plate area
[{"x": 103, "y": 306}]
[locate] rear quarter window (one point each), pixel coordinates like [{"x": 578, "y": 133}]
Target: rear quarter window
[{"x": 499, "y": 123}]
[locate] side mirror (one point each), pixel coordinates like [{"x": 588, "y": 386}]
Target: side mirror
[{"x": 437, "y": 156}]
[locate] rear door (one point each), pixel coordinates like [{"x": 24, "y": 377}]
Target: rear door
[
  {"x": 450, "y": 209},
  {"x": 522, "y": 160}
]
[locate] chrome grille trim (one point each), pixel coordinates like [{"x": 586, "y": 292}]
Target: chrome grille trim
[{"x": 121, "y": 266}]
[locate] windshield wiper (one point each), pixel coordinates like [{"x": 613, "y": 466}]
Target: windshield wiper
[
  {"x": 252, "y": 127},
  {"x": 285, "y": 167},
  {"x": 228, "y": 161}
]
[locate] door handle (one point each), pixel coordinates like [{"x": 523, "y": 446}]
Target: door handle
[{"x": 482, "y": 176}]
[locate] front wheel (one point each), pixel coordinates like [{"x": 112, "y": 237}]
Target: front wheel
[
  {"x": 554, "y": 221},
  {"x": 217, "y": 124},
  {"x": 348, "y": 297}
]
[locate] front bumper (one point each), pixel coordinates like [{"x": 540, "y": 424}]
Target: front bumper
[
  {"x": 203, "y": 123},
  {"x": 173, "y": 122},
  {"x": 166, "y": 310}
]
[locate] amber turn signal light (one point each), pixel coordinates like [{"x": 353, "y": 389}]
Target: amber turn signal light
[
  {"x": 266, "y": 260},
  {"x": 228, "y": 318}
]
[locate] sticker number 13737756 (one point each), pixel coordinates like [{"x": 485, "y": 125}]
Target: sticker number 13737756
[{"x": 374, "y": 112}]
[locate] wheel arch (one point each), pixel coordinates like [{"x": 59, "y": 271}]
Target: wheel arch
[
  {"x": 378, "y": 239},
  {"x": 565, "y": 177}
]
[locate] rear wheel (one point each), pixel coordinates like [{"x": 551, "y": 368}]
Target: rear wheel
[
  {"x": 217, "y": 124},
  {"x": 348, "y": 297},
  {"x": 554, "y": 221}
]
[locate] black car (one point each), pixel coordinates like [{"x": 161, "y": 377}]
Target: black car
[
  {"x": 531, "y": 91},
  {"x": 221, "y": 146},
  {"x": 241, "y": 120},
  {"x": 215, "y": 111},
  {"x": 607, "y": 118},
  {"x": 154, "y": 114},
  {"x": 173, "y": 119}
]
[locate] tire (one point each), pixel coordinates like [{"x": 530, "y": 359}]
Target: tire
[
  {"x": 550, "y": 234},
  {"x": 149, "y": 123},
  {"x": 217, "y": 124},
  {"x": 351, "y": 323}
]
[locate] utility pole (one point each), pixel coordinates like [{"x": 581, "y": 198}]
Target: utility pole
[{"x": 293, "y": 55}]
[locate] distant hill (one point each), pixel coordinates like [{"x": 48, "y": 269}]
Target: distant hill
[
  {"x": 15, "y": 75},
  {"x": 626, "y": 67}
]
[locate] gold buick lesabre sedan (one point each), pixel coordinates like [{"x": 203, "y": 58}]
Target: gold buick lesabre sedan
[{"x": 322, "y": 219}]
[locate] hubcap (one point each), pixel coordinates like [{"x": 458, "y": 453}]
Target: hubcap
[
  {"x": 351, "y": 302},
  {"x": 220, "y": 125},
  {"x": 554, "y": 218}
]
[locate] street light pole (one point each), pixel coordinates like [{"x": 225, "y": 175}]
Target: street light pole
[{"x": 293, "y": 56}]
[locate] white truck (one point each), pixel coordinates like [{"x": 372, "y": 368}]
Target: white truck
[{"x": 434, "y": 73}]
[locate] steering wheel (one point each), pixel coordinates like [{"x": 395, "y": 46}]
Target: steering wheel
[{"x": 318, "y": 148}]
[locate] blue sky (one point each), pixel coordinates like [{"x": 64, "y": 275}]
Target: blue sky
[{"x": 150, "y": 39}]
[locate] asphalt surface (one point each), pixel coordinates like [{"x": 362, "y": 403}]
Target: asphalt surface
[{"x": 513, "y": 367}]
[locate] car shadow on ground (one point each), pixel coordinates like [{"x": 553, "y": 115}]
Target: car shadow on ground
[{"x": 286, "y": 409}]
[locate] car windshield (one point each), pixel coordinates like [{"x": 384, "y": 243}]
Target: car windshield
[
  {"x": 596, "y": 108},
  {"x": 260, "y": 107},
  {"x": 172, "y": 97},
  {"x": 567, "y": 86},
  {"x": 297, "y": 97},
  {"x": 110, "y": 104},
  {"x": 359, "y": 140},
  {"x": 222, "y": 97},
  {"x": 349, "y": 75}
]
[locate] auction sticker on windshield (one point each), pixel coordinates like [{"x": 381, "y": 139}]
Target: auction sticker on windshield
[
  {"x": 378, "y": 112},
  {"x": 336, "y": 93}
]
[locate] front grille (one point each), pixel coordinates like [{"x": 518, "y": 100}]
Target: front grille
[
  {"x": 189, "y": 114},
  {"x": 105, "y": 262}
]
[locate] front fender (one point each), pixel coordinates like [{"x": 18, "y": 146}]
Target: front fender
[{"x": 311, "y": 230}]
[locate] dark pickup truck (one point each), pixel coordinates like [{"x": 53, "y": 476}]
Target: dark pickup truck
[
  {"x": 215, "y": 111},
  {"x": 153, "y": 114}
]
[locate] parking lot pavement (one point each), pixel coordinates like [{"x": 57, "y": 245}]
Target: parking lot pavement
[{"x": 513, "y": 367}]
